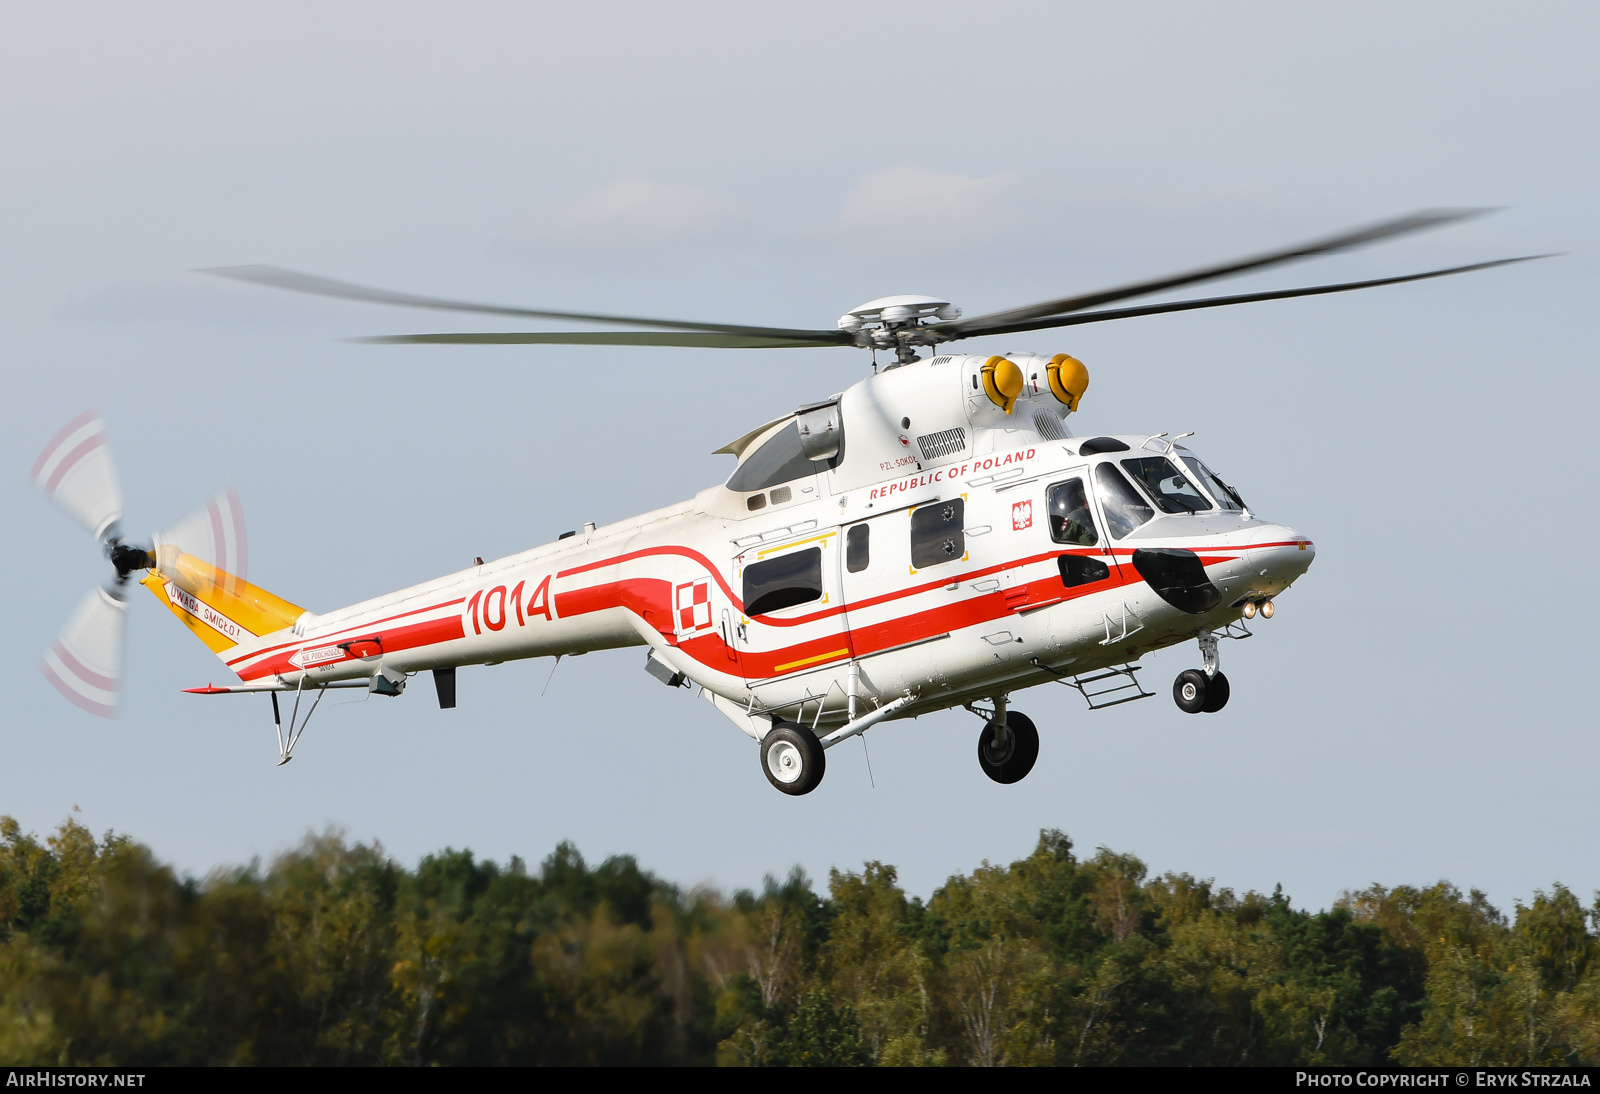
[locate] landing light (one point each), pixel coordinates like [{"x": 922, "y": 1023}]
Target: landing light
[
  {"x": 1266, "y": 609},
  {"x": 1249, "y": 609}
]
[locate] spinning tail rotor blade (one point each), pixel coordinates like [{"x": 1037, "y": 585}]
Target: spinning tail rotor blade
[
  {"x": 85, "y": 662},
  {"x": 75, "y": 469},
  {"x": 213, "y": 533}
]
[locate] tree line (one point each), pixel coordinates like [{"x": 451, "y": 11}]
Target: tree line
[{"x": 335, "y": 954}]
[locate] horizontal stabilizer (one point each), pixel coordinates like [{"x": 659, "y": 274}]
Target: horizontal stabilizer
[{"x": 272, "y": 685}]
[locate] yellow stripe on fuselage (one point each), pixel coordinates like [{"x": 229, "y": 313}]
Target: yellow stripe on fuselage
[{"x": 809, "y": 661}]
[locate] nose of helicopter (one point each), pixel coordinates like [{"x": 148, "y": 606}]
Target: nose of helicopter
[{"x": 1277, "y": 557}]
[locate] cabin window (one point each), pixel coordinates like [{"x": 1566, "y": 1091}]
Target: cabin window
[
  {"x": 1173, "y": 492},
  {"x": 1124, "y": 508},
  {"x": 937, "y": 533},
  {"x": 1226, "y": 496},
  {"x": 783, "y": 582},
  {"x": 1081, "y": 570},
  {"x": 856, "y": 548},
  {"x": 1070, "y": 521},
  {"x": 755, "y": 501}
]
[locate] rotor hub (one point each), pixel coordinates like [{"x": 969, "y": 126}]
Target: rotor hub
[{"x": 898, "y": 323}]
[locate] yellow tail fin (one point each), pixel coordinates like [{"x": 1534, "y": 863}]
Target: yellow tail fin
[{"x": 222, "y": 610}]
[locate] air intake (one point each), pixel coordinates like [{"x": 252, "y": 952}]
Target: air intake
[
  {"x": 1048, "y": 425},
  {"x": 936, "y": 446}
]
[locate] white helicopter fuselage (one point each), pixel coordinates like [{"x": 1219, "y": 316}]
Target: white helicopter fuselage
[
  {"x": 933, "y": 536},
  {"x": 936, "y": 554}
]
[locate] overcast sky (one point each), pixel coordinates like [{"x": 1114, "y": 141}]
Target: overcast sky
[{"x": 1415, "y": 711}]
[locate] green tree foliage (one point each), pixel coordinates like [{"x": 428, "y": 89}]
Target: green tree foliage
[{"x": 334, "y": 954}]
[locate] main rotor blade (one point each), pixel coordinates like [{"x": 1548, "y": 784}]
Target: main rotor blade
[
  {"x": 294, "y": 281},
  {"x": 705, "y": 340},
  {"x": 1247, "y": 298},
  {"x": 1373, "y": 233},
  {"x": 75, "y": 469},
  {"x": 85, "y": 663}
]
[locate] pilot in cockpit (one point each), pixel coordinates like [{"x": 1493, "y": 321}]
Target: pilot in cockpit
[{"x": 1070, "y": 521}]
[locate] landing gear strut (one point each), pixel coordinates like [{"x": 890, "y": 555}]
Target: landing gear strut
[
  {"x": 792, "y": 758},
  {"x": 1008, "y": 746},
  {"x": 1204, "y": 690}
]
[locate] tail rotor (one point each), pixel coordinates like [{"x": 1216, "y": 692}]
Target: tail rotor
[
  {"x": 84, "y": 663},
  {"x": 75, "y": 469},
  {"x": 212, "y": 533}
]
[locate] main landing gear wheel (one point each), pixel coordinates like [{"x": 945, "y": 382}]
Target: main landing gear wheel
[
  {"x": 792, "y": 758},
  {"x": 1197, "y": 693},
  {"x": 1216, "y": 694},
  {"x": 1009, "y": 760},
  {"x": 1189, "y": 691}
]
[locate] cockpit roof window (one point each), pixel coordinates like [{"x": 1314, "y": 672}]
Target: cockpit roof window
[
  {"x": 1096, "y": 445},
  {"x": 1170, "y": 488}
]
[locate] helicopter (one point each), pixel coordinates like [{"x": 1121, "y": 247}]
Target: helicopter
[{"x": 933, "y": 536}]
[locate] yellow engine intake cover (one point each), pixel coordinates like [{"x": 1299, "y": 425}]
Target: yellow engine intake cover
[
  {"x": 1068, "y": 379},
  {"x": 1002, "y": 380}
]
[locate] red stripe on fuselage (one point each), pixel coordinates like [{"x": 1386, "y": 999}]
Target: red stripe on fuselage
[
  {"x": 395, "y": 639},
  {"x": 651, "y": 600},
  {"x": 324, "y": 639}
]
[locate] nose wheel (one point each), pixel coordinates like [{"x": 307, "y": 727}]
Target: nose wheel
[
  {"x": 792, "y": 758},
  {"x": 1007, "y": 752},
  {"x": 1197, "y": 693},
  {"x": 1202, "y": 691}
]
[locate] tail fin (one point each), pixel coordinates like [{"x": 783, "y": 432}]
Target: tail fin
[{"x": 221, "y": 609}]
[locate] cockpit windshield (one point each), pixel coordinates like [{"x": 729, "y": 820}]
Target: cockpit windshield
[
  {"x": 1169, "y": 487},
  {"x": 1125, "y": 510},
  {"x": 1227, "y": 497}
]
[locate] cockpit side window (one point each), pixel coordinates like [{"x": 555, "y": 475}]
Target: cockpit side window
[
  {"x": 1227, "y": 497},
  {"x": 1125, "y": 510},
  {"x": 1172, "y": 491},
  {"x": 1070, "y": 521}
]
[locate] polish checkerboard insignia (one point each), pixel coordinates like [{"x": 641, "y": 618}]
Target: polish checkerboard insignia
[{"x": 694, "y": 607}]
